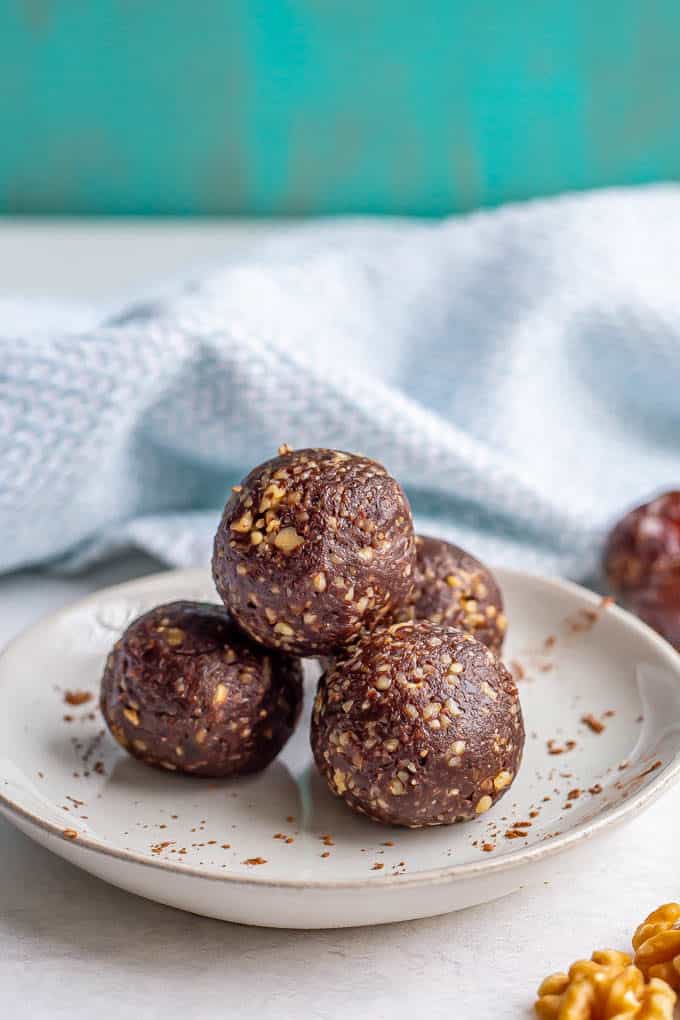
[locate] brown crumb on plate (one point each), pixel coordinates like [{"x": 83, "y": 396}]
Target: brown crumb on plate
[
  {"x": 77, "y": 697},
  {"x": 593, "y": 723},
  {"x": 555, "y": 748},
  {"x": 517, "y": 669}
]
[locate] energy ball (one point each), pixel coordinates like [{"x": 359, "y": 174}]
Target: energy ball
[
  {"x": 453, "y": 588},
  {"x": 421, "y": 725},
  {"x": 313, "y": 547},
  {"x": 644, "y": 544},
  {"x": 184, "y": 690}
]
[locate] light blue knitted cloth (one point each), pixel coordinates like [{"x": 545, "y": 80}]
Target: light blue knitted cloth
[{"x": 517, "y": 370}]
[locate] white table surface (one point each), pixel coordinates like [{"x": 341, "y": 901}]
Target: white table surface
[{"x": 72, "y": 946}]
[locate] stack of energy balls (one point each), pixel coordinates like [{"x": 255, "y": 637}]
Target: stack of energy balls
[{"x": 416, "y": 720}]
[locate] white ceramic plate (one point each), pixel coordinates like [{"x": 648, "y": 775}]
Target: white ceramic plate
[{"x": 193, "y": 843}]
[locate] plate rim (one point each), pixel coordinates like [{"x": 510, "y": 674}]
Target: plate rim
[{"x": 514, "y": 859}]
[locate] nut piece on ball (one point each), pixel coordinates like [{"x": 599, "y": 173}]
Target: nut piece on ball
[
  {"x": 421, "y": 725},
  {"x": 453, "y": 588},
  {"x": 645, "y": 543},
  {"x": 183, "y": 689},
  {"x": 313, "y": 547}
]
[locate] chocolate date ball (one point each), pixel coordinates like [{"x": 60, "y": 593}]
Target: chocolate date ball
[
  {"x": 183, "y": 689},
  {"x": 421, "y": 725},
  {"x": 645, "y": 543},
  {"x": 453, "y": 588},
  {"x": 313, "y": 547}
]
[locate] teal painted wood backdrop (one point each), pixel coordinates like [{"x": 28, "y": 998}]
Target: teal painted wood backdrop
[{"x": 327, "y": 106}]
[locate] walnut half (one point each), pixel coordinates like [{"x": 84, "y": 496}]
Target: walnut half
[
  {"x": 606, "y": 987},
  {"x": 657, "y": 945}
]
